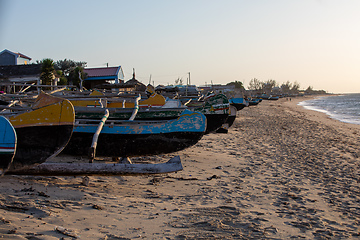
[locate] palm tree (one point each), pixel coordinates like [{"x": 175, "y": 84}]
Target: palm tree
[{"x": 47, "y": 71}]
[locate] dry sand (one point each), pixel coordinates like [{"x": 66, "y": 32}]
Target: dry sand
[{"x": 282, "y": 172}]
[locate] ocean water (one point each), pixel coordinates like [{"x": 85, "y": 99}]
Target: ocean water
[{"x": 345, "y": 108}]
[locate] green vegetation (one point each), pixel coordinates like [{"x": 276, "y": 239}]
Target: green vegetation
[
  {"x": 69, "y": 71},
  {"x": 75, "y": 75},
  {"x": 47, "y": 71},
  {"x": 271, "y": 85},
  {"x": 66, "y": 70},
  {"x": 237, "y": 84}
]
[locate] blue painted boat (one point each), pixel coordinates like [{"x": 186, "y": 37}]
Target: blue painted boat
[
  {"x": 273, "y": 97},
  {"x": 7, "y": 144},
  {"x": 125, "y": 138},
  {"x": 154, "y": 113},
  {"x": 239, "y": 103},
  {"x": 254, "y": 101}
]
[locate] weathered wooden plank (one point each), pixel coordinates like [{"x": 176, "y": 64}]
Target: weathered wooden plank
[{"x": 173, "y": 165}]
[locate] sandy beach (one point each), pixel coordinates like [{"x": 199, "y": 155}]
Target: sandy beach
[{"x": 282, "y": 172}]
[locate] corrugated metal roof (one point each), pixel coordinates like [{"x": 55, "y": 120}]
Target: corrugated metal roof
[
  {"x": 23, "y": 56},
  {"x": 99, "y": 72},
  {"x": 16, "y": 53}
]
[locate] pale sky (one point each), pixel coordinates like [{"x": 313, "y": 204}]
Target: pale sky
[{"x": 313, "y": 42}]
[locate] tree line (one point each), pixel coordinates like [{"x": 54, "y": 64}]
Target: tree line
[
  {"x": 68, "y": 71},
  {"x": 271, "y": 84},
  {"x": 267, "y": 86}
]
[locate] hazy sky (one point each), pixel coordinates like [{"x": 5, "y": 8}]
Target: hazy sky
[{"x": 313, "y": 42}]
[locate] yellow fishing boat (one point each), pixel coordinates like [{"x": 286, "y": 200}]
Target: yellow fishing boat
[{"x": 42, "y": 131}]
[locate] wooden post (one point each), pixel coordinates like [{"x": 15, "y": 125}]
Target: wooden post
[
  {"x": 27, "y": 87},
  {"x": 92, "y": 149},
  {"x": 38, "y": 88},
  {"x": 12, "y": 103}
]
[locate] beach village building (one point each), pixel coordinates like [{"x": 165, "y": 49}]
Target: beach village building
[
  {"x": 96, "y": 77},
  {"x": 12, "y": 58},
  {"x": 18, "y": 75},
  {"x": 16, "y": 70}
]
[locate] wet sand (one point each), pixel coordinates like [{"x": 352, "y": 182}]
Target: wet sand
[{"x": 282, "y": 172}]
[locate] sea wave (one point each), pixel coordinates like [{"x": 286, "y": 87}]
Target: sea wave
[{"x": 344, "y": 108}]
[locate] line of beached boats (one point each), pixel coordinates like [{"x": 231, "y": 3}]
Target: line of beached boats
[{"x": 37, "y": 127}]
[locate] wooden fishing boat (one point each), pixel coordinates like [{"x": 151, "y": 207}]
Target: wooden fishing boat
[
  {"x": 99, "y": 99},
  {"x": 121, "y": 107},
  {"x": 239, "y": 102},
  {"x": 125, "y": 113},
  {"x": 7, "y": 144},
  {"x": 273, "y": 97},
  {"x": 216, "y": 109},
  {"x": 254, "y": 101},
  {"x": 42, "y": 131},
  {"x": 267, "y": 97},
  {"x": 183, "y": 93},
  {"x": 232, "y": 116},
  {"x": 229, "y": 121},
  {"x": 126, "y": 138}
]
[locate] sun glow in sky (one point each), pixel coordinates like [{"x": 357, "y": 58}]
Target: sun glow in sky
[{"x": 313, "y": 42}]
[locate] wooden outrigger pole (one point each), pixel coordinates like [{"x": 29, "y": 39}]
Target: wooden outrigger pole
[
  {"x": 92, "y": 149},
  {"x": 61, "y": 169}
]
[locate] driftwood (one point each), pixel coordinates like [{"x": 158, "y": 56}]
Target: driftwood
[{"x": 61, "y": 169}]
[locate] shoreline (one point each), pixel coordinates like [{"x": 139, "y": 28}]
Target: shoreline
[
  {"x": 281, "y": 172},
  {"x": 320, "y": 116}
]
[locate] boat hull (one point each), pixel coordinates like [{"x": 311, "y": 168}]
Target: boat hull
[
  {"x": 138, "y": 138},
  {"x": 254, "y": 102},
  {"x": 239, "y": 103},
  {"x": 232, "y": 116},
  {"x": 8, "y": 142},
  {"x": 215, "y": 108},
  {"x": 238, "y": 106},
  {"x": 125, "y": 113},
  {"x": 125, "y": 145},
  {"x": 215, "y": 121},
  {"x": 38, "y": 143},
  {"x": 43, "y": 132},
  {"x": 229, "y": 121}
]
